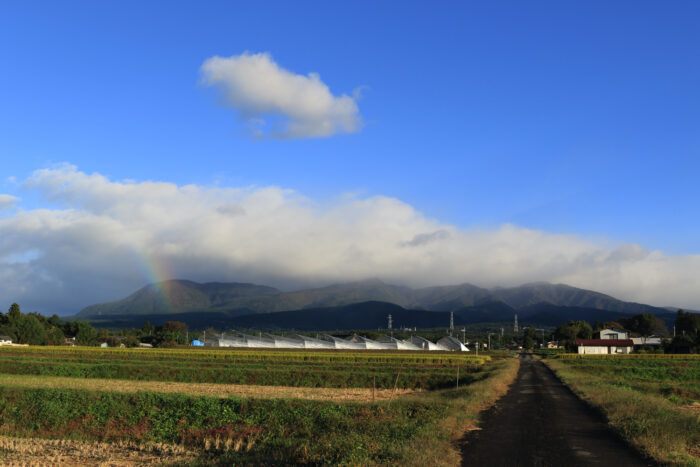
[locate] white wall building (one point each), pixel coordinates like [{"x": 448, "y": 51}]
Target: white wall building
[{"x": 604, "y": 346}]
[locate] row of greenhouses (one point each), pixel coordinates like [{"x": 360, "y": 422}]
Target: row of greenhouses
[{"x": 271, "y": 341}]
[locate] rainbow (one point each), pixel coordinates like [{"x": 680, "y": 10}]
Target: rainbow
[{"x": 156, "y": 272}]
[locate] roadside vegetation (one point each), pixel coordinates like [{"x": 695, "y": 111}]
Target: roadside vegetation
[{"x": 652, "y": 400}]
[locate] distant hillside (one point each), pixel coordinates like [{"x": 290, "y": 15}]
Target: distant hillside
[
  {"x": 365, "y": 315},
  {"x": 466, "y": 300},
  {"x": 565, "y": 295},
  {"x": 368, "y": 315},
  {"x": 179, "y": 296}
]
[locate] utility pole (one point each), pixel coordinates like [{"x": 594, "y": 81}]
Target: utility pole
[{"x": 542, "y": 337}]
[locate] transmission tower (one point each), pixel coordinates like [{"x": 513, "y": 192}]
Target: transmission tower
[
  {"x": 515, "y": 325},
  {"x": 452, "y": 322},
  {"x": 390, "y": 330}
]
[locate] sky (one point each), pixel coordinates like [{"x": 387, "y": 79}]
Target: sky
[{"x": 298, "y": 144}]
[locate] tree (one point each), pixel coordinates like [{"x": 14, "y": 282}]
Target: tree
[
  {"x": 645, "y": 325},
  {"x": 131, "y": 341},
  {"x": 54, "y": 320},
  {"x": 529, "y": 337},
  {"x": 14, "y": 313},
  {"x": 171, "y": 333},
  {"x": 30, "y": 331},
  {"x": 55, "y": 336},
  {"x": 687, "y": 323},
  {"x": 85, "y": 334},
  {"x": 573, "y": 330},
  {"x": 147, "y": 329}
]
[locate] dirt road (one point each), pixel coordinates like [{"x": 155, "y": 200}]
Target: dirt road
[{"x": 539, "y": 422}]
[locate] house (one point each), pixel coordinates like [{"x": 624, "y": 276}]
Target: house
[
  {"x": 5, "y": 340},
  {"x": 604, "y": 346},
  {"x": 613, "y": 333},
  {"x": 553, "y": 345},
  {"x": 651, "y": 340}
]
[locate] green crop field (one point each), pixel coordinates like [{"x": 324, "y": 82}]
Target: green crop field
[
  {"x": 263, "y": 367},
  {"x": 384, "y": 407},
  {"x": 653, "y": 400}
]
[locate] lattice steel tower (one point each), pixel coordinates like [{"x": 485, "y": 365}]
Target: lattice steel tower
[{"x": 515, "y": 325}]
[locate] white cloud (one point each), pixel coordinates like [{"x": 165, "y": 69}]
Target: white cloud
[
  {"x": 279, "y": 103},
  {"x": 108, "y": 237},
  {"x": 7, "y": 201}
]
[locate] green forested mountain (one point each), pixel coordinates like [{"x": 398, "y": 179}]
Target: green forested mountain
[{"x": 237, "y": 299}]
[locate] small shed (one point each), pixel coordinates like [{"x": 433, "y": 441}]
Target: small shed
[{"x": 604, "y": 346}]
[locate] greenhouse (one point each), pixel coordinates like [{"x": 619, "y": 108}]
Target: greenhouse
[{"x": 270, "y": 341}]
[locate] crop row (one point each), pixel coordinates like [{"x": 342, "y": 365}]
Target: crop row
[
  {"x": 242, "y": 431},
  {"x": 348, "y": 366},
  {"x": 633, "y": 356},
  {"x": 332, "y": 376},
  {"x": 656, "y": 373},
  {"x": 247, "y": 355}
]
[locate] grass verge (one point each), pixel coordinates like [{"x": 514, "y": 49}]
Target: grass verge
[
  {"x": 652, "y": 423},
  {"x": 439, "y": 445}
]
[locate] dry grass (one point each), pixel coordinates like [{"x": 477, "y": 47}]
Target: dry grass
[
  {"x": 204, "y": 389},
  {"x": 665, "y": 431},
  {"x": 443, "y": 446},
  {"x": 35, "y": 451}
]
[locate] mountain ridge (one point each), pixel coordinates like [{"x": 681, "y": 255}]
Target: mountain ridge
[{"x": 237, "y": 299}]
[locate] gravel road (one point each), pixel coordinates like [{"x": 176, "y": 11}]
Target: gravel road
[{"x": 540, "y": 422}]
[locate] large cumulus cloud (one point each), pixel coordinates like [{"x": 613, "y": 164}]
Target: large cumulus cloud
[{"x": 106, "y": 238}]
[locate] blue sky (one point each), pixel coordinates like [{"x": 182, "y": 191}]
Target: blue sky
[{"x": 573, "y": 118}]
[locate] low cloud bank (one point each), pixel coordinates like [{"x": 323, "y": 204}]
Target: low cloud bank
[{"x": 108, "y": 238}]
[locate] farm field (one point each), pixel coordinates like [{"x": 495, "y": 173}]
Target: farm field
[
  {"x": 228, "y": 406},
  {"x": 653, "y": 401},
  {"x": 329, "y": 369}
]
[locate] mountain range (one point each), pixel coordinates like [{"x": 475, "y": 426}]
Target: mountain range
[{"x": 363, "y": 304}]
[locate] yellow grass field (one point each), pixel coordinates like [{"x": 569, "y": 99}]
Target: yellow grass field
[{"x": 205, "y": 389}]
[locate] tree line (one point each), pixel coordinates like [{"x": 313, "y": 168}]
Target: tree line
[
  {"x": 686, "y": 337},
  {"x": 36, "y": 329}
]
